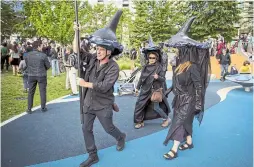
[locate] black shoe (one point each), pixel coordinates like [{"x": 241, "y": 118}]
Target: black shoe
[
  {"x": 121, "y": 143},
  {"x": 44, "y": 109},
  {"x": 93, "y": 159},
  {"x": 29, "y": 111}
]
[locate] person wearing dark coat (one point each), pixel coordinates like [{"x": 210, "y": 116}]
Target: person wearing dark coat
[
  {"x": 37, "y": 65},
  {"x": 152, "y": 78},
  {"x": 224, "y": 61},
  {"x": 98, "y": 82},
  {"x": 186, "y": 88},
  {"x": 190, "y": 78}
]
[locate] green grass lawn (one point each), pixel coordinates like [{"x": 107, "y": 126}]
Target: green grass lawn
[
  {"x": 14, "y": 101},
  {"x": 12, "y": 93}
]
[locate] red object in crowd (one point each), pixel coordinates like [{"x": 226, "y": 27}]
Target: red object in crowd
[
  {"x": 232, "y": 51},
  {"x": 220, "y": 47}
]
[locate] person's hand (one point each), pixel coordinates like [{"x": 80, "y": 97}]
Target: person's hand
[
  {"x": 76, "y": 26},
  {"x": 81, "y": 82},
  {"x": 156, "y": 76},
  {"x": 136, "y": 92}
]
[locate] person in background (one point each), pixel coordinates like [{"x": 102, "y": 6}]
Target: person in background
[
  {"x": 29, "y": 47},
  {"x": 224, "y": 61},
  {"x": 71, "y": 71},
  {"x": 37, "y": 65},
  {"x": 250, "y": 44},
  {"x": 14, "y": 60},
  {"x": 233, "y": 70},
  {"x": 54, "y": 61},
  {"x": 4, "y": 57},
  {"x": 23, "y": 70},
  {"x": 220, "y": 47},
  {"x": 246, "y": 68}
]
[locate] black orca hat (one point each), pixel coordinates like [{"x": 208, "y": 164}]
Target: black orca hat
[
  {"x": 106, "y": 37},
  {"x": 188, "y": 48},
  {"x": 182, "y": 39},
  {"x": 152, "y": 48}
]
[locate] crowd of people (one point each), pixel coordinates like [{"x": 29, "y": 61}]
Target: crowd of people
[
  {"x": 222, "y": 51},
  {"x": 61, "y": 59}
]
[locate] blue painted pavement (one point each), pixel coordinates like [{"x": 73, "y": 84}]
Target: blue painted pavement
[{"x": 224, "y": 139}]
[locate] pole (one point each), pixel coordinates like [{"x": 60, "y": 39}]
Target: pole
[{"x": 81, "y": 98}]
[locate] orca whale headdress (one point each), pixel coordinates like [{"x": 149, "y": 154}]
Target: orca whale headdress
[
  {"x": 152, "y": 48},
  {"x": 106, "y": 37}
]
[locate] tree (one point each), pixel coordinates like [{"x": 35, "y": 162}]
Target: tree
[
  {"x": 52, "y": 19},
  {"x": 99, "y": 16},
  {"x": 213, "y": 18},
  {"x": 140, "y": 27},
  {"x": 164, "y": 20},
  {"x": 160, "y": 19},
  {"x": 8, "y": 18},
  {"x": 124, "y": 27}
]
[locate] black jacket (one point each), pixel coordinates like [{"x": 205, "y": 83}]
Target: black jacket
[
  {"x": 225, "y": 60},
  {"x": 103, "y": 78},
  {"x": 37, "y": 63}
]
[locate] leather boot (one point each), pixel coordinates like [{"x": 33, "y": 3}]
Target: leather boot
[
  {"x": 121, "y": 143},
  {"x": 92, "y": 159}
]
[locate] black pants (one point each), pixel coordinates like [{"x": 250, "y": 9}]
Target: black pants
[
  {"x": 5, "y": 59},
  {"x": 32, "y": 82},
  {"x": 105, "y": 117}
]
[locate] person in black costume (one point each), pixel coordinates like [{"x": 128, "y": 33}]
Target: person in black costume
[
  {"x": 98, "y": 82},
  {"x": 152, "y": 78},
  {"x": 190, "y": 80}
]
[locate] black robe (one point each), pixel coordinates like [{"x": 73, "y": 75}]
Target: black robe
[
  {"x": 144, "y": 106},
  {"x": 187, "y": 102}
]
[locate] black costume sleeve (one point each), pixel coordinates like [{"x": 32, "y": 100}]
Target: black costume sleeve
[
  {"x": 140, "y": 80},
  {"x": 195, "y": 76},
  {"x": 161, "y": 77},
  {"x": 85, "y": 58},
  {"x": 139, "y": 84},
  {"x": 108, "y": 82}
]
